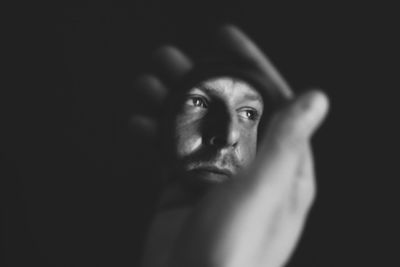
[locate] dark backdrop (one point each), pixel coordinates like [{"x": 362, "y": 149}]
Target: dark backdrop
[{"x": 76, "y": 188}]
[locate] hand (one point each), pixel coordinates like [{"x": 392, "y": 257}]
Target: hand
[{"x": 256, "y": 219}]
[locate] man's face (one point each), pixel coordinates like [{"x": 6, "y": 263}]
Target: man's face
[{"x": 215, "y": 131}]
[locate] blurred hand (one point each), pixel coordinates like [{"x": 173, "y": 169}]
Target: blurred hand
[{"x": 256, "y": 219}]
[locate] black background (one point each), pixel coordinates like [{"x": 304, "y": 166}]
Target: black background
[{"x": 76, "y": 189}]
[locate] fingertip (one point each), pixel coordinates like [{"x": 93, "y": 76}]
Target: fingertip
[
  {"x": 171, "y": 62},
  {"x": 231, "y": 34},
  {"x": 229, "y": 27},
  {"x": 163, "y": 50},
  {"x": 299, "y": 120},
  {"x": 316, "y": 104},
  {"x": 144, "y": 126},
  {"x": 151, "y": 88}
]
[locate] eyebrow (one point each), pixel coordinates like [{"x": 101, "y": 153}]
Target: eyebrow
[
  {"x": 253, "y": 97},
  {"x": 248, "y": 95}
]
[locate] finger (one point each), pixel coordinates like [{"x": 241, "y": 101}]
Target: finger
[
  {"x": 151, "y": 91},
  {"x": 144, "y": 127},
  {"x": 237, "y": 42},
  {"x": 288, "y": 135},
  {"x": 296, "y": 123},
  {"x": 171, "y": 63},
  {"x": 307, "y": 183},
  {"x": 304, "y": 189}
]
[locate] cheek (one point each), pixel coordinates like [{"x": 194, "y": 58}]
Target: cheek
[
  {"x": 187, "y": 137},
  {"x": 248, "y": 148}
]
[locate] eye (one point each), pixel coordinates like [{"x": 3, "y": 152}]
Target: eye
[
  {"x": 249, "y": 114},
  {"x": 196, "y": 101}
]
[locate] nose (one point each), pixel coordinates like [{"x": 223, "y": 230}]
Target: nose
[{"x": 224, "y": 131}]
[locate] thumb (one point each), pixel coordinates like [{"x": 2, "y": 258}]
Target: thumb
[
  {"x": 298, "y": 121},
  {"x": 288, "y": 136}
]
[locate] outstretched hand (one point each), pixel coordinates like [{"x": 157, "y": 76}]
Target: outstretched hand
[{"x": 256, "y": 219}]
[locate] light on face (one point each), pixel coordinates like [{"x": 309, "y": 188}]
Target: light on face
[{"x": 224, "y": 109}]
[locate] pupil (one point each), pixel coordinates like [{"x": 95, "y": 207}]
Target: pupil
[{"x": 197, "y": 102}]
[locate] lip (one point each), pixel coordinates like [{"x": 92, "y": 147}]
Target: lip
[{"x": 215, "y": 170}]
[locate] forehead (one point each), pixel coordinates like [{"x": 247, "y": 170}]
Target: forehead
[{"x": 230, "y": 88}]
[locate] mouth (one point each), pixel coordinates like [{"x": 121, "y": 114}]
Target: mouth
[{"x": 211, "y": 174}]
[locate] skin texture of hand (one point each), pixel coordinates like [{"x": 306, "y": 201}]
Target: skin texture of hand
[{"x": 257, "y": 218}]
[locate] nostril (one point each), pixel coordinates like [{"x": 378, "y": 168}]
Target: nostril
[{"x": 219, "y": 141}]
